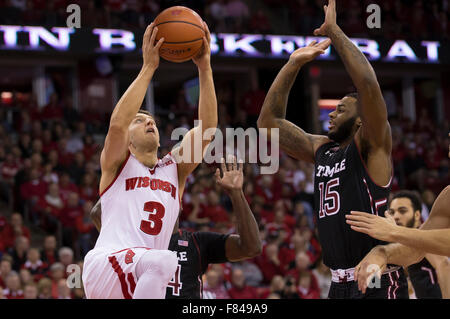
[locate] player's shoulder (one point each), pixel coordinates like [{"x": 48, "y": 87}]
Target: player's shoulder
[
  {"x": 166, "y": 160},
  {"x": 208, "y": 236}
]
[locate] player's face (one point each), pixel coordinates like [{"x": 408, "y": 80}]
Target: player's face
[
  {"x": 343, "y": 120},
  {"x": 143, "y": 132},
  {"x": 402, "y": 210}
]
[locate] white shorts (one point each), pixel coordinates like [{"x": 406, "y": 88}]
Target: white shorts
[{"x": 111, "y": 275}]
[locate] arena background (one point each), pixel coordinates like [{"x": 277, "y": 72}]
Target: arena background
[{"x": 57, "y": 94}]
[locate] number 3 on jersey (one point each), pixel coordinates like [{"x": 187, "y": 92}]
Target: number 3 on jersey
[
  {"x": 329, "y": 199},
  {"x": 153, "y": 225}
]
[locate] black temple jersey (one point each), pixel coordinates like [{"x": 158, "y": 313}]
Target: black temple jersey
[
  {"x": 195, "y": 251},
  {"x": 424, "y": 280},
  {"x": 342, "y": 184}
]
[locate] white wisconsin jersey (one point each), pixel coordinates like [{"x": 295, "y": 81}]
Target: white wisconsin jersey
[{"x": 141, "y": 206}]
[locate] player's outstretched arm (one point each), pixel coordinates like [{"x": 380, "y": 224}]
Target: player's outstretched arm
[
  {"x": 379, "y": 257},
  {"x": 247, "y": 243},
  {"x": 293, "y": 140},
  {"x": 194, "y": 142},
  {"x": 432, "y": 237},
  {"x": 116, "y": 143},
  {"x": 96, "y": 215},
  {"x": 375, "y": 128}
]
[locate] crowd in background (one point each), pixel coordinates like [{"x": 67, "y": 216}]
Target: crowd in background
[
  {"x": 49, "y": 176},
  {"x": 410, "y": 19}
]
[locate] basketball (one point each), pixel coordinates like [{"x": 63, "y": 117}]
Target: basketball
[{"x": 182, "y": 29}]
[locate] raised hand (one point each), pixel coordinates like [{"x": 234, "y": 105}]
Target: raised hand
[
  {"x": 150, "y": 50},
  {"x": 233, "y": 176},
  {"x": 330, "y": 18},
  {"x": 203, "y": 58},
  {"x": 306, "y": 54}
]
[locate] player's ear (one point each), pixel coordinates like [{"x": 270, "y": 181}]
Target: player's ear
[
  {"x": 358, "y": 121},
  {"x": 417, "y": 217}
]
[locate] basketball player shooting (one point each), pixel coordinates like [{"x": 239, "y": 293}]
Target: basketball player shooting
[
  {"x": 353, "y": 166},
  {"x": 140, "y": 194},
  {"x": 197, "y": 250}
]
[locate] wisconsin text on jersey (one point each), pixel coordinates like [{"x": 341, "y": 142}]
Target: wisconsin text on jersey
[{"x": 152, "y": 183}]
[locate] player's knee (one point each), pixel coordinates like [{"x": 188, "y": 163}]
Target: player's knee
[{"x": 170, "y": 263}]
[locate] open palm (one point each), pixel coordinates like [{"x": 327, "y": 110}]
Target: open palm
[
  {"x": 306, "y": 54},
  {"x": 233, "y": 176}
]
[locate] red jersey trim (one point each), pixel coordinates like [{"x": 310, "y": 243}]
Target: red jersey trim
[
  {"x": 115, "y": 178},
  {"x": 128, "y": 249},
  {"x": 367, "y": 170}
]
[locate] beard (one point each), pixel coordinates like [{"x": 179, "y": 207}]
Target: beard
[
  {"x": 410, "y": 223},
  {"x": 343, "y": 132}
]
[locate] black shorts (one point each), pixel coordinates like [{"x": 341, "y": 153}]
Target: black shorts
[{"x": 392, "y": 286}]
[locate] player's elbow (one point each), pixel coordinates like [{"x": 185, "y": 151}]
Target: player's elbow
[
  {"x": 253, "y": 250},
  {"x": 265, "y": 122},
  {"x": 262, "y": 121},
  {"x": 256, "y": 251}
]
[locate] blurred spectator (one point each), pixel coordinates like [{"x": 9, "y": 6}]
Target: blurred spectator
[
  {"x": 88, "y": 188},
  {"x": 77, "y": 169},
  {"x": 64, "y": 291},
  {"x": 237, "y": 15},
  {"x": 66, "y": 256},
  {"x": 49, "y": 208},
  {"x": 323, "y": 275},
  {"x": 35, "y": 265},
  {"x": 277, "y": 285},
  {"x": 5, "y": 269},
  {"x": 214, "y": 211},
  {"x": 239, "y": 288},
  {"x": 68, "y": 217},
  {"x": 49, "y": 251},
  {"x": 19, "y": 252},
  {"x": 213, "y": 287},
  {"x": 45, "y": 288},
  {"x": 13, "y": 288},
  {"x": 35, "y": 188},
  {"x": 25, "y": 277},
  {"x": 252, "y": 273},
  {"x": 269, "y": 262},
  {"x": 290, "y": 289},
  {"x": 15, "y": 229},
  {"x": 57, "y": 272},
  {"x": 30, "y": 291},
  {"x": 306, "y": 287},
  {"x": 66, "y": 186}
]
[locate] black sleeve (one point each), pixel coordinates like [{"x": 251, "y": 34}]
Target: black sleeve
[{"x": 212, "y": 247}]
